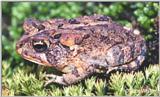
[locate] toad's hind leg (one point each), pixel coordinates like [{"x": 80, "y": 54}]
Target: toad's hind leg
[
  {"x": 135, "y": 64},
  {"x": 131, "y": 66}
]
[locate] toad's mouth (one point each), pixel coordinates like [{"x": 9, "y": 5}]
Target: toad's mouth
[
  {"x": 35, "y": 58},
  {"x": 37, "y": 61}
]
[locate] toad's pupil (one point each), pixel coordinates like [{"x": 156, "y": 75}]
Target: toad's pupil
[{"x": 40, "y": 47}]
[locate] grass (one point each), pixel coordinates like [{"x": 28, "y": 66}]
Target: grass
[{"x": 119, "y": 84}]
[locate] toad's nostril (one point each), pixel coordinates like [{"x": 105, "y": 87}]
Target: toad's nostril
[{"x": 19, "y": 45}]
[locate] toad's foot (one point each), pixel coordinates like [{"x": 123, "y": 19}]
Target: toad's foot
[{"x": 51, "y": 78}]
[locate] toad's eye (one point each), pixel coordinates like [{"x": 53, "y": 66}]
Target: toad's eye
[{"x": 40, "y": 45}]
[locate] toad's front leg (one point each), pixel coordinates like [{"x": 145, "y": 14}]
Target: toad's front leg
[{"x": 70, "y": 77}]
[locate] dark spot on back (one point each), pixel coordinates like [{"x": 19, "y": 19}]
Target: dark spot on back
[
  {"x": 92, "y": 30},
  {"x": 86, "y": 36},
  {"x": 34, "y": 24},
  {"x": 73, "y": 21},
  {"x": 78, "y": 41},
  {"x": 102, "y": 38},
  {"x": 79, "y": 28},
  {"x": 103, "y": 18},
  {"x": 40, "y": 27},
  {"x": 60, "y": 25}
]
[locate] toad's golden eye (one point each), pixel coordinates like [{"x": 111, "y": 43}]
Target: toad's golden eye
[{"x": 40, "y": 45}]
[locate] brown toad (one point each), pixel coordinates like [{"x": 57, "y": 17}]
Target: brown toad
[{"x": 80, "y": 47}]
